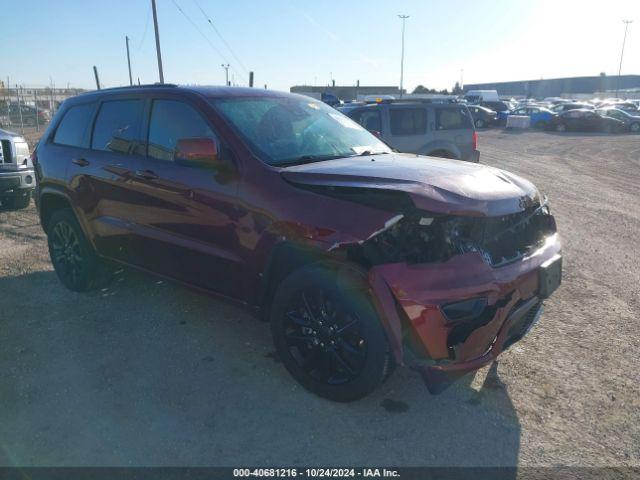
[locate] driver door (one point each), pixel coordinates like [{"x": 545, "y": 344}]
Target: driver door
[{"x": 187, "y": 228}]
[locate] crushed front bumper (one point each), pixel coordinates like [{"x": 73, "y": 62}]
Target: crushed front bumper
[{"x": 410, "y": 300}]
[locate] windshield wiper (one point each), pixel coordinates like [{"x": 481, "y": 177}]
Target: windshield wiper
[
  {"x": 369, "y": 152},
  {"x": 308, "y": 159}
]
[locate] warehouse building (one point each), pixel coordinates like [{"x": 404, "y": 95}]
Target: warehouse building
[
  {"x": 347, "y": 93},
  {"x": 555, "y": 87}
]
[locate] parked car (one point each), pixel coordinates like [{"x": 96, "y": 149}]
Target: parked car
[
  {"x": 361, "y": 258},
  {"x": 585, "y": 120},
  {"x": 501, "y": 108},
  {"x": 424, "y": 127},
  {"x": 565, "y": 107},
  {"x": 482, "y": 116},
  {"x": 629, "y": 107},
  {"x": 539, "y": 117},
  {"x": 30, "y": 115},
  {"x": 631, "y": 122},
  {"x": 17, "y": 178}
]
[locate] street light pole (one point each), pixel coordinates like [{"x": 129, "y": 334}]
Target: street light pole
[
  {"x": 226, "y": 73},
  {"x": 128, "y": 60},
  {"x": 403, "y": 18},
  {"x": 155, "y": 26},
  {"x": 626, "y": 26}
]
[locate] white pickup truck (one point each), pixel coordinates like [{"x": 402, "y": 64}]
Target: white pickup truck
[{"x": 17, "y": 179}]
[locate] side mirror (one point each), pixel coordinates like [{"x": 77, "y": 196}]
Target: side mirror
[
  {"x": 199, "y": 152},
  {"x": 376, "y": 133}
]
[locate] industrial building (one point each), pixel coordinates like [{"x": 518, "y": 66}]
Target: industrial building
[
  {"x": 347, "y": 93},
  {"x": 556, "y": 87}
]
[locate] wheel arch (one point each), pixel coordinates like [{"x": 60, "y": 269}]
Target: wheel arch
[{"x": 286, "y": 257}]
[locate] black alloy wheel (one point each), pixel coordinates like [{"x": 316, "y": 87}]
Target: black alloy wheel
[
  {"x": 74, "y": 261},
  {"x": 328, "y": 334},
  {"x": 324, "y": 337}
]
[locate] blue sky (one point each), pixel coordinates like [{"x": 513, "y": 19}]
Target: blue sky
[{"x": 289, "y": 42}]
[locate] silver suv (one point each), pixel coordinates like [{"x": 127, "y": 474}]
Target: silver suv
[
  {"x": 419, "y": 126},
  {"x": 17, "y": 179}
]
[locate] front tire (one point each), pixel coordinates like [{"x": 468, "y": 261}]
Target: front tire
[
  {"x": 634, "y": 127},
  {"x": 541, "y": 125},
  {"x": 328, "y": 334},
  {"x": 17, "y": 202},
  {"x": 561, "y": 127},
  {"x": 480, "y": 123},
  {"x": 73, "y": 258}
]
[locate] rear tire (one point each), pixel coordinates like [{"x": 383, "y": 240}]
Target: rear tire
[
  {"x": 541, "y": 125},
  {"x": 328, "y": 334},
  {"x": 480, "y": 123},
  {"x": 73, "y": 258},
  {"x": 634, "y": 127},
  {"x": 17, "y": 202},
  {"x": 561, "y": 127}
]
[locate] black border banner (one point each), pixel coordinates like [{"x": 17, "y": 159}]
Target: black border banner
[{"x": 401, "y": 473}]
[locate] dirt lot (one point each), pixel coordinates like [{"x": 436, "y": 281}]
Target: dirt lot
[{"x": 150, "y": 373}]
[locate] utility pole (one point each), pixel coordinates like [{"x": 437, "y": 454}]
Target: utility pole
[
  {"x": 155, "y": 26},
  {"x": 129, "y": 61},
  {"x": 95, "y": 73},
  {"x": 626, "y": 27},
  {"x": 462, "y": 79},
  {"x": 403, "y": 18},
  {"x": 226, "y": 73},
  {"x": 251, "y": 79}
]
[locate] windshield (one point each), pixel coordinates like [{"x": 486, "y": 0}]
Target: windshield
[{"x": 289, "y": 130}]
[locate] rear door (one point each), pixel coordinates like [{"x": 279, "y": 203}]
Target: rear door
[
  {"x": 407, "y": 128},
  {"x": 188, "y": 226},
  {"x": 453, "y": 125},
  {"x": 101, "y": 177}
]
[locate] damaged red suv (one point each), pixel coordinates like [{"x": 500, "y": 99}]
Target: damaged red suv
[{"x": 361, "y": 258}]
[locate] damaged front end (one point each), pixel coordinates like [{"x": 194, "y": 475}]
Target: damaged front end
[
  {"x": 457, "y": 291},
  {"x": 457, "y": 274}
]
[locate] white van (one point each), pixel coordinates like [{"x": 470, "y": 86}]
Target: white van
[{"x": 479, "y": 96}]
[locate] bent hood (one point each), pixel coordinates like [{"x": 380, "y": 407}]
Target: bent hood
[{"x": 433, "y": 184}]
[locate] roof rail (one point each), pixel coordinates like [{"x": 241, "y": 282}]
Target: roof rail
[
  {"x": 144, "y": 85},
  {"x": 415, "y": 100}
]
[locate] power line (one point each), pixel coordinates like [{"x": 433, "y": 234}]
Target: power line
[
  {"x": 202, "y": 34},
  {"x": 146, "y": 27},
  {"x": 220, "y": 36}
]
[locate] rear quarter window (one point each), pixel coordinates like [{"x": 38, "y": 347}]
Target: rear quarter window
[
  {"x": 72, "y": 130},
  {"x": 453, "y": 119}
]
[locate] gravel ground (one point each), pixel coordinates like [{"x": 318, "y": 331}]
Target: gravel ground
[{"x": 150, "y": 373}]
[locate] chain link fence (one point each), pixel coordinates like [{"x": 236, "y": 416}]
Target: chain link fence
[{"x": 27, "y": 109}]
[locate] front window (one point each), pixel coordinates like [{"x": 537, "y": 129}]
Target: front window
[{"x": 289, "y": 130}]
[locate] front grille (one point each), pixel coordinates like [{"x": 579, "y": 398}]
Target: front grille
[
  {"x": 504, "y": 239},
  {"x": 7, "y": 154}
]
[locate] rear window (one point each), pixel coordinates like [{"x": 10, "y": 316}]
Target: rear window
[
  {"x": 73, "y": 126},
  {"x": 117, "y": 127},
  {"x": 408, "y": 121},
  {"x": 452, "y": 118}
]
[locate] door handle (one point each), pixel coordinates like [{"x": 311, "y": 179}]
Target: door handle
[
  {"x": 81, "y": 162},
  {"x": 146, "y": 174}
]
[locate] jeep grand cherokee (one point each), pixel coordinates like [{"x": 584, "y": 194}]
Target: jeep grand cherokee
[{"x": 361, "y": 258}]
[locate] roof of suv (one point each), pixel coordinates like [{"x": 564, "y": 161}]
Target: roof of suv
[{"x": 207, "y": 91}]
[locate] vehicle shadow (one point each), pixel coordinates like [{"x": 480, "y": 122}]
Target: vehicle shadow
[{"x": 146, "y": 372}]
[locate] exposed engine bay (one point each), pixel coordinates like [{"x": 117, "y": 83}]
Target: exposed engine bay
[{"x": 420, "y": 237}]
